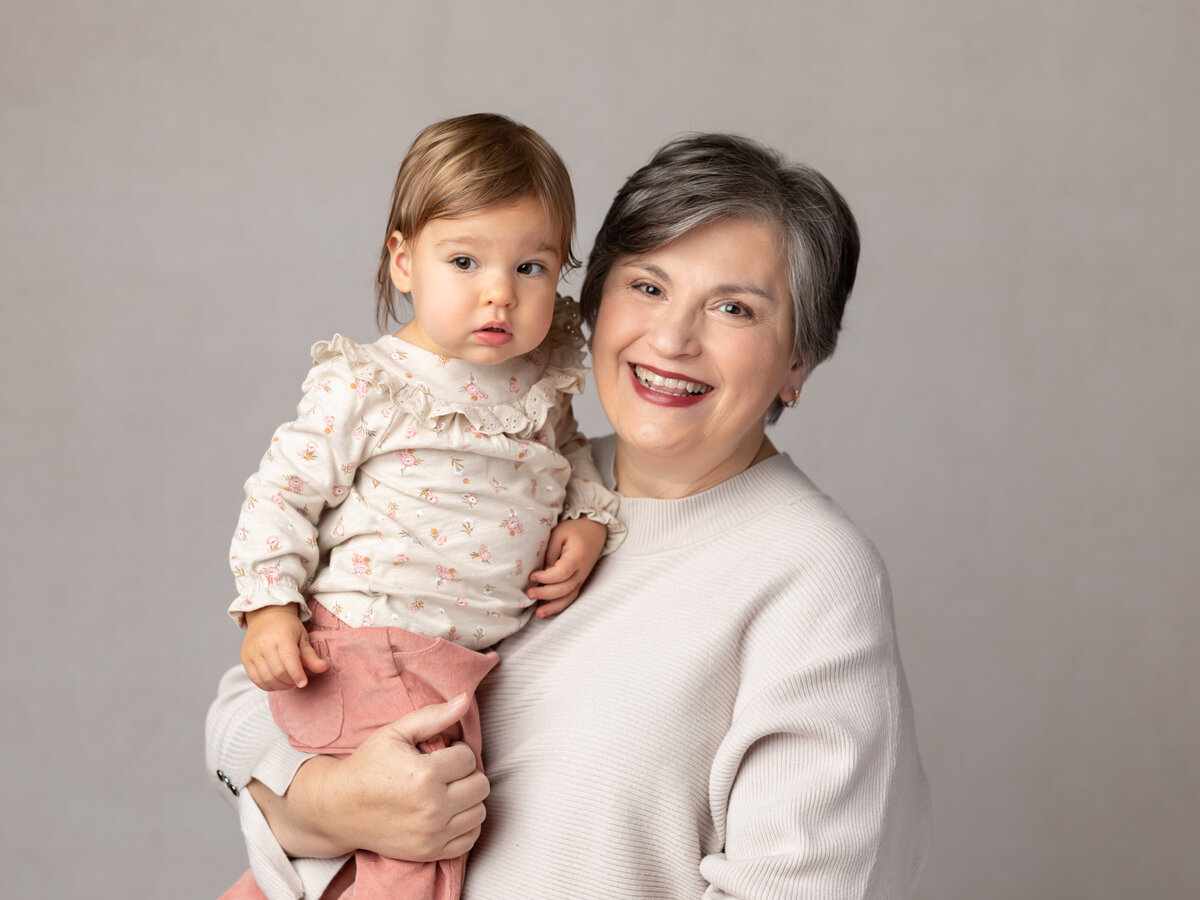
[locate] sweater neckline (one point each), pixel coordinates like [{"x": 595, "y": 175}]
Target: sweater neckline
[{"x": 653, "y": 525}]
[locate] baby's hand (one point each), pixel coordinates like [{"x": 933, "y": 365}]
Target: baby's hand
[
  {"x": 276, "y": 651},
  {"x": 575, "y": 546}
]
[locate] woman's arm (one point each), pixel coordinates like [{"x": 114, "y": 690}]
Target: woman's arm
[
  {"x": 818, "y": 781},
  {"x": 387, "y": 796}
]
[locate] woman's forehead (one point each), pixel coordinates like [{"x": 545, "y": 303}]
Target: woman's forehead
[{"x": 729, "y": 255}]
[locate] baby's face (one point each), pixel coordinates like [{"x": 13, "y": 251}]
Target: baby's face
[{"x": 482, "y": 285}]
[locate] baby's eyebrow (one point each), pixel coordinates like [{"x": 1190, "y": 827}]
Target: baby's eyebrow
[
  {"x": 467, "y": 240},
  {"x": 464, "y": 239}
]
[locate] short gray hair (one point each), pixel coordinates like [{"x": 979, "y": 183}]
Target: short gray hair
[{"x": 702, "y": 178}]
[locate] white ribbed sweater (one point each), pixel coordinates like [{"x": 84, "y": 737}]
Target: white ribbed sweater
[{"x": 721, "y": 714}]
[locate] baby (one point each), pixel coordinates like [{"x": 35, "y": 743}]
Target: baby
[{"x": 433, "y": 476}]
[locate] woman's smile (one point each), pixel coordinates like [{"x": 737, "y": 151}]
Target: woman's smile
[{"x": 671, "y": 388}]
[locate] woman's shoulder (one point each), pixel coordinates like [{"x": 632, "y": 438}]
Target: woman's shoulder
[{"x": 814, "y": 542}]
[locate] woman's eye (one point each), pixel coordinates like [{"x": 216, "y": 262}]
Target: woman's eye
[
  {"x": 465, "y": 263},
  {"x": 731, "y": 308},
  {"x": 531, "y": 268},
  {"x": 650, "y": 290}
]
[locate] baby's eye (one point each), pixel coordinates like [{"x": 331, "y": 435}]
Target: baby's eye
[
  {"x": 465, "y": 263},
  {"x": 531, "y": 268}
]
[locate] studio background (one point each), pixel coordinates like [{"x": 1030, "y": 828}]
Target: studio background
[{"x": 193, "y": 193}]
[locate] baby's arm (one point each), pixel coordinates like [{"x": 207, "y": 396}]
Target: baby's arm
[
  {"x": 573, "y": 550},
  {"x": 587, "y": 529},
  {"x": 308, "y": 469},
  {"x": 276, "y": 649}
]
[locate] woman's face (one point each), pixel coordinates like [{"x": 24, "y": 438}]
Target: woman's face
[{"x": 692, "y": 343}]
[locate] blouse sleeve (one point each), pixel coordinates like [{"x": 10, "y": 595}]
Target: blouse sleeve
[
  {"x": 586, "y": 494},
  {"x": 818, "y": 783},
  {"x": 308, "y": 468}
]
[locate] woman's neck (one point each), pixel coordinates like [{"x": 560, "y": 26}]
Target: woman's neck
[{"x": 637, "y": 475}]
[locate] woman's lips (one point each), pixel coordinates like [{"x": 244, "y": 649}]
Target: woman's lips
[{"x": 665, "y": 388}]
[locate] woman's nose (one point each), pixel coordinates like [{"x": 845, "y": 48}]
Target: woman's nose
[{"x": 674, "y": 332}]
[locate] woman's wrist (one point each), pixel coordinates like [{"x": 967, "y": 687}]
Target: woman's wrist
[{"x": 306, "y": 819}]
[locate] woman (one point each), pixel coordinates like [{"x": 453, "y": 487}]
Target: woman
[{"x": 723, "y": 712}]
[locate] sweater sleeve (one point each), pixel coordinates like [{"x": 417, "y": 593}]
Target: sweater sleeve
[
  {"x": 308, "y": 468},
  {"x": 817, "y": 783},
  {"x": 243, "y": 742}
]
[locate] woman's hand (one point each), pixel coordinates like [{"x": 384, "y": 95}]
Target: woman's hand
[
  {"x": 387, "y": 796},
  {"x": 574, "y": 548}
]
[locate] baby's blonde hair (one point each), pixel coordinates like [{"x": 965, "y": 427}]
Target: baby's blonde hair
[{"x": 466, "y": 164}]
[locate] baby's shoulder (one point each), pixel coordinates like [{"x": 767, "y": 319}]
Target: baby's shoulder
[{"x": 343, "y": 366}]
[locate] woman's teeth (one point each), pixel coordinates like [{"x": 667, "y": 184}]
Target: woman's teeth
[{"x": 657, "y": 382}]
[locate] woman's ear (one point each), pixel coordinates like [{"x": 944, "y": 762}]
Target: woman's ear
[
  {"x": 797, "y": 375},
  {"x": 400, "y": 267}
]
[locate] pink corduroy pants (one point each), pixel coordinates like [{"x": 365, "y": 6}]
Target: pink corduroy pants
[{"x": 376, "y": 675}]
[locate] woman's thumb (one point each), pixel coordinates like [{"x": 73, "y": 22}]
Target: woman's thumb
[{"x": 422, "y": 724}]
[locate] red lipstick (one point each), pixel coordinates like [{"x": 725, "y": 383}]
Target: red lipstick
[{"x": 666, "y": 396}]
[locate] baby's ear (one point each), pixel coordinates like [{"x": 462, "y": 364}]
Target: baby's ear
[{"x": 400, "y": 267}]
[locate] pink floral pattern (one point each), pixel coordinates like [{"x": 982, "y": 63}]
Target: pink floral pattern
[{"x": 369, "y": 501}]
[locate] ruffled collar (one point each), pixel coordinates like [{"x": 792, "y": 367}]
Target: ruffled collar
[{"x": 513, "y": 397}]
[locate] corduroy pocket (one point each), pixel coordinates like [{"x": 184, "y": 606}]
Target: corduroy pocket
[{"x": 312, "y": 716}]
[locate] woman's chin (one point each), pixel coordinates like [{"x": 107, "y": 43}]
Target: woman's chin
[{"x": 656, "y": 441}]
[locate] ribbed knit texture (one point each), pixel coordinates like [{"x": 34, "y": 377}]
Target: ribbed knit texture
[{"x": 721, "y": 714}]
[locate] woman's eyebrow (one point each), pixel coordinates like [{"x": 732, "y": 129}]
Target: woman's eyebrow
[
  {"x": 743, "y": 287},
  {"x": 649, "y": 268}
]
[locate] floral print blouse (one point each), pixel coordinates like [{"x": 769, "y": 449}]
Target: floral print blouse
[{"x": 417, "y": 490}]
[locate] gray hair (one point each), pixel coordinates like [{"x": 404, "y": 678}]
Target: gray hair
[{"x": 704, "y": 178}]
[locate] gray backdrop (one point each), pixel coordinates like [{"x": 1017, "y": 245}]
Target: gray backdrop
[{"x": 192, "y": 193}]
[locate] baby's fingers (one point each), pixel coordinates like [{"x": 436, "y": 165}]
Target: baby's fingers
[
  {"x": 559, "y": 573},
  {"x": 309, "y": 658},
  {"x": 262, "y": 673},
  {"x": 552, "y": 590},
  {"x": 288, "y": 668},
  {"x": 553, "y": 607}
]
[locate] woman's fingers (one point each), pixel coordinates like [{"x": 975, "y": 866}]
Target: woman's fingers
[
  {"x": 389, "y": 797},
  {"x": 460, "y": 845},
  {"x": 467, "y": 790},
  {"x": 422, "y": 724}
]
